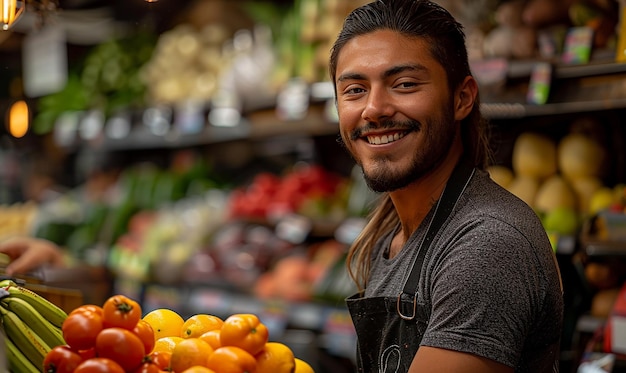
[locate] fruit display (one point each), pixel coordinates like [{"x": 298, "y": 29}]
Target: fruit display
[
  {"x": 17, "y": 218},
  {"x": 108, "y": 79},
  {"x": 32, "y": 327},
  {"x": 118, "y": 337},
  {"x": 561, "y": 179},
  {"x": 306, "y": 189},
  {"x": 186, "y": 64}
]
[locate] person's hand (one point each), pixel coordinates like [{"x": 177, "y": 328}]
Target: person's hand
[{"x": 29, "y": 253}]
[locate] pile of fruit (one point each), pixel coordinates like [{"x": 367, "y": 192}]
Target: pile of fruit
[
  {"x": 116, "y": 337},
  {"x": 31, "y": 326},
  {"x": 561, "y": 179}
]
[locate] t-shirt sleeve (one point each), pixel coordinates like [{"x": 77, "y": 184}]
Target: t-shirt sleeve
[{"x": 485, "y": 288}]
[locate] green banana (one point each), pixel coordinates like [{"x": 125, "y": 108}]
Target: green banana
[
  {"x": 26, "y": 340},
  {"x": 50, "y": 311},
  {"x": 18, "y": 362},
  {"x": 52, "y": 335}
]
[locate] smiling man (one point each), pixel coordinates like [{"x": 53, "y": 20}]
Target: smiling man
[{"x": 455, "y": 274}]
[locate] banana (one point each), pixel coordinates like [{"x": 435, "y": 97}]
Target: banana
[
  {"x": 50, "y": 311},
  {"x": 25, "y": 339},
  {"x": 52, "y": 335},
  {"x": 18, "y": 362}
]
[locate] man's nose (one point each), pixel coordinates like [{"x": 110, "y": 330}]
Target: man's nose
[{"x": 379, "y": 105}]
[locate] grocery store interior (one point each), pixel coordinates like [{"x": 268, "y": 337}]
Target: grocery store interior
[{"x": 185, "y": 153}]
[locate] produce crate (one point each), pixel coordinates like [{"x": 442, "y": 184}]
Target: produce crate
[{"x": 68, "y": 288}]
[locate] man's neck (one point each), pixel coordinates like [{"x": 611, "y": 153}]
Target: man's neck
[{"x": 413, "y": 202}]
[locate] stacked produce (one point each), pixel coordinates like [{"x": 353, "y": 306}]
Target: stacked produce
[
  {"x": 117, "y": 337},
  {"x": 32, "y": 327},
  {"x": 307, "y": 189},
  {"x": 562, "y": 180},
  {"x": 17, "y": 218}
]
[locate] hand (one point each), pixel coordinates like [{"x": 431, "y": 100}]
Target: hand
[{"x": 28, "y": 253}]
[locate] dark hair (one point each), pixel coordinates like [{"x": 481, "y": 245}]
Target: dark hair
[
  {"x": 431, "y": 22},
  {"x": 412, "y": 18}
]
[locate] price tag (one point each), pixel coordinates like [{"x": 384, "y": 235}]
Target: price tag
[
  {"x": 349, "y": 230},
  {"x": 209, "y": 301},
  {"x": 307, "y": 316},
  {"x": 294, "y": 228},
  {"x": 578, "y": 44},
  {"x": 45, "y": 61},
  {"x": 540, "y": 80},
  {"x": 293, "y": 101}
]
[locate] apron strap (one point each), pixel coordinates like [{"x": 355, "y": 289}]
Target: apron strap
[{"x": 454, "y": 188}]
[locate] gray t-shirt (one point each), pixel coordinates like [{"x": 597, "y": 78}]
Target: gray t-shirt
[{"x": 489, "y": 279}]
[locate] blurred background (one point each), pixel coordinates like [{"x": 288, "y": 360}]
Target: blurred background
[{"x": 185, "y": 152}]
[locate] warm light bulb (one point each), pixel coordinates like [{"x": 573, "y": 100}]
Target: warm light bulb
[
  {"x": 19, "y": 119},
  {"x": 10, "y": 11}
]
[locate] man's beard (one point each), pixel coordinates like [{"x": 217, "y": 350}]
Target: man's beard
[{"x": 439, "y": 137}]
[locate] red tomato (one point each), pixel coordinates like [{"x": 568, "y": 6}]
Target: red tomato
[
  {"x": 122, "y": 346},
  {"x": 121, "y": 311},
  {"x": 99, "y": 365},
  {"x": 61, "y": 359},
  {"x": 148, "y": 367},
  {"x": 87, "y": 354},
  {"x": 88, "y": 307},
  {"x": 161, "y": 359},
  {"x": 80, "y": 330},
  {"x": 144, "y": 331}
]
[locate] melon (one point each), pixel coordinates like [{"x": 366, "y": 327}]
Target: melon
[
  {"x": 534, "y": 155},
  {"x": 525, "y": 188},
  {"x": 553, "y": 193},
  {"x": 585, "y": 188},
  {"x": 502, "y": 175},
  {"x": 580, "y": 156}
]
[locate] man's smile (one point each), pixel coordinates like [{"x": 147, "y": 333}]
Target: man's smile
[{"x": 385, "y": 138}]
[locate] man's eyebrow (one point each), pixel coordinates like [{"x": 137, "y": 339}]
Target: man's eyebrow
[
  {"x": 402, "y": 68},
  {"x": 350, "y": 76},
  {"x": 386, "y": 74}
]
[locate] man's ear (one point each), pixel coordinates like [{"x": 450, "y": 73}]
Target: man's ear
[{"x": 465, "y": 97}]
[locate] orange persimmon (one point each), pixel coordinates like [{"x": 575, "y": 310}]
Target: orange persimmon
[
  {"x": 231, "y": 359},
  {"x": 246, "y": 331}
]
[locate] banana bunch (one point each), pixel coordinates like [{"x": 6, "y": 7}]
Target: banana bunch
[{"x": 31, "y": 324}]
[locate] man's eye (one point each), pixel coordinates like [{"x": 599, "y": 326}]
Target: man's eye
[
  {"x": 353, "y": 91},
  {"x": 406, "y": 85}
]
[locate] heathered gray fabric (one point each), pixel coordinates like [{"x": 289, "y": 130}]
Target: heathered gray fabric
[{"x": 490, "y": 279}]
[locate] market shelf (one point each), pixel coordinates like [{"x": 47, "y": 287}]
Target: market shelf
[{"x": 517, "y": 110}]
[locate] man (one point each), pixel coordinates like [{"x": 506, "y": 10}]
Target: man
[{"x": 455, "y": 273}]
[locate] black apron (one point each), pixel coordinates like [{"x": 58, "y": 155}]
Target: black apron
[{"x": 389, "y": 329}]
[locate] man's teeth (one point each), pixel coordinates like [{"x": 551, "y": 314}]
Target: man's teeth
[{"x": 384, "y": 139}]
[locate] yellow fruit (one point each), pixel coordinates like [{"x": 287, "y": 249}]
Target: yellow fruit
[
  {"x": 199, "y": 324},
  {"x": 275, "y": 358},
  {"x": 525, "y": 188},
  {"x": 303, "y": 367},
  {"x": 580, "y": 155},
  {"x": 601, "y": 199},
  {"x": 188, "y": 353},
  {"x": 555, "y": 192},
  {"x": 502, "y": 175},
  {"x": 198, "y": 369},
  {"x": 166, "y": 343},
  {"x": 534, "y": 155},
  {"x": 213, "y": 338},
  {"x": 164, "y": 322}
]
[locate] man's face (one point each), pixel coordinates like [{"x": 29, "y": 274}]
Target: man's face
[{"x": 396, "y": 114}]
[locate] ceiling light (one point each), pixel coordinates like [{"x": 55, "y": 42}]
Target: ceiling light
[
  {"x": 10, "y": 11},
  {"x": 19, "y": 119}
]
